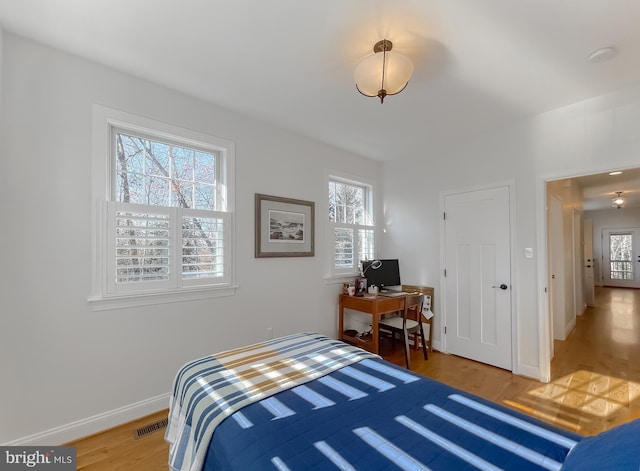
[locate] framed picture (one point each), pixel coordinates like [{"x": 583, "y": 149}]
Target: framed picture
[{"x": 284, "y": 227}]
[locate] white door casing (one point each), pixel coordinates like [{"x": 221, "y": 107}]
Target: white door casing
[
  {"x": 589, "y": 280},
  {"x": 578, "y": 257},
  {"x": 477, "y": 278}
]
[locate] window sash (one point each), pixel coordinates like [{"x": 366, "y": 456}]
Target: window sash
[
  {"x": 350, "y": 203},
  {"x": 176, "y": 182}
]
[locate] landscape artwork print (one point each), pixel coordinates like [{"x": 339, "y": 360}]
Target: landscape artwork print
[{"x": 286, "y": 226}]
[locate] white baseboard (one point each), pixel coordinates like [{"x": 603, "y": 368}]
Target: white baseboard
[
  {"x": 521, "y": 370},
  {"x": 569, "y": 327},
  {"x": 528, "y": 371},
  {"x": 91, "y": 425}
]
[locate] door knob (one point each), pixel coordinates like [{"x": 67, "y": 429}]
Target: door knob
[{"x": 502, "y": 286}]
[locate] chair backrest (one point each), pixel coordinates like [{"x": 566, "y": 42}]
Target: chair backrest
[
  {"x": 421, "y": 289},
  {"x": 411, "y": 302}
]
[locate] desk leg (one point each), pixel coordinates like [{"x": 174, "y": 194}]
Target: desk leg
[{"x": 375, "y": 333}]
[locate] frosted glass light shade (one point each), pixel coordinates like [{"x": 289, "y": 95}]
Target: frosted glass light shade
[
  {"x": 617, "y": 202},
  {"x": 383, "y": 73}
]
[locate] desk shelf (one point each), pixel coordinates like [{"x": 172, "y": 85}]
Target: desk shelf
[
  {"x": 365, "y": 342},
  {"x": 376, "y": 306}
]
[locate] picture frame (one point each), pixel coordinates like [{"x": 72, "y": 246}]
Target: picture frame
[{"x": 284, "y": 227}]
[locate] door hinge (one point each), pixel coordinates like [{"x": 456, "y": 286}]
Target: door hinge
[
  {"x": 445, "y": 272},
  {"x": 445, "y": 330},
  {"x": 444, "y": 216}
]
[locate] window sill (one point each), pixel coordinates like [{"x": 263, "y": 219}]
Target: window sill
[
  {"x": 339, "y": 279},
  {"x": 105, "y": 303}
]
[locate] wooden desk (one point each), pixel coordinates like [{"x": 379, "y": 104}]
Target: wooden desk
[{"x": 374, "y": 305}]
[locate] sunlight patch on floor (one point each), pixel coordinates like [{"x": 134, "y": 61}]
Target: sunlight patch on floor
[
  {"x": 592, "y": 393},
  {"x": 551, "y": 417},
  {"x": 577, "y": 400}
]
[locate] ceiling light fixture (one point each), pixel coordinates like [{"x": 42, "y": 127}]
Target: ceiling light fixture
[
  {"x": 617, "y": 202},
  {"x": 617, "y": 172},
  {"x": 383, "y": 73}
]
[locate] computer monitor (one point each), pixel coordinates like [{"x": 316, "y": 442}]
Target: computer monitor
[{"x": 383, "y": 274}]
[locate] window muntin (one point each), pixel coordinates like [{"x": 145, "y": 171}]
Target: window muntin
[{"x": 351, "y": 224}]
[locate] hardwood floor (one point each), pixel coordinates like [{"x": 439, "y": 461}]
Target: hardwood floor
[
  {"x": 117, "y": 449},
  {"x": 595, "y": 386},
  {"x": 597, "y": 369},
  {"x": 595, "y": 382}
]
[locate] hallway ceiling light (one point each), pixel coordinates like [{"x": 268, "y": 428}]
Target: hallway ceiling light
[
  {"x": 383, "y": 73},
  {"x": 617, "y": 202}
]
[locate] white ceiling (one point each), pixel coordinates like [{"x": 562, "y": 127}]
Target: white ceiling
[
  {"x": 478, "y": 64},
  {"x": 599, "y": 190}
]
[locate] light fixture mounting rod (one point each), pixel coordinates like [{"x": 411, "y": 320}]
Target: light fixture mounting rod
[{"x": 382, "y": 46}]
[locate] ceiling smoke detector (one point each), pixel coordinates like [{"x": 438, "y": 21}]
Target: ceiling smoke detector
[{"x": 601, "y": 55}]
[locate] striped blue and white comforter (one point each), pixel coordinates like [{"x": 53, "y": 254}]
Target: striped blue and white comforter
[
  {"x": 209, "y": 389},
  {"x": 375, "y": 416}
]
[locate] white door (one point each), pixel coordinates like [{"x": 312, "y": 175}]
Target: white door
[
  {"x": 621, "y": 254},
  {"x": 588, "y": 270},
  {"x": 555, "y": 242},
  {"x": 477, "y": 279}
]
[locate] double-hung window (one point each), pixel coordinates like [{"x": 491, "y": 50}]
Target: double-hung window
[
  {"x": 164, "y": 214},
  {"x": 351, "y": 224}
]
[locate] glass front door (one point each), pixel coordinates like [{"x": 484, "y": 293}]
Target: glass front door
[{"x": 621, "y": 257}]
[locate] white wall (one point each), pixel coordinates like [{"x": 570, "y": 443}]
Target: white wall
[
  {"x": 588, "y": 137},
  {"x": 609, "y": 219},
  {"x": 68, "y": 371}
]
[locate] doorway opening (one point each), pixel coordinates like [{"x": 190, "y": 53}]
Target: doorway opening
[{"x": 601, "y": 247}]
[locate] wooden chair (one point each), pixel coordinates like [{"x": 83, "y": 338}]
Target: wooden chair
[
  {"x": 405, "y": 326},
  {"x": 427, "y": 323}
]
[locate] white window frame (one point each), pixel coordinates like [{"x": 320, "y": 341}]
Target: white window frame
[
  {"x": 333, "y": 271},
  {"x": 103, "y": 295}
]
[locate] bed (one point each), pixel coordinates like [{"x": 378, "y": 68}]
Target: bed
[{"x": 308, "y": 402}]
